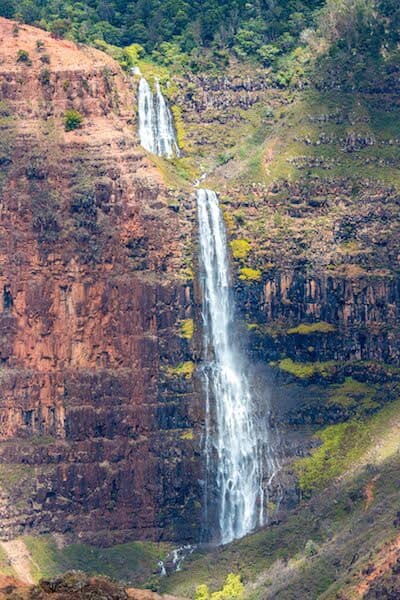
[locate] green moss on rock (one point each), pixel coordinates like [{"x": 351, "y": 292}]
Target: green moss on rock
[
  {"x": 307, "y": 370},
  {"x": 187, "y": 435},
  {"x": 186, "y": 329},
  {"x": 250, "y": 275},
  {"x": 310, "y": 328},
  {"x": 354, "y": 395},
  {"x": 183, "y": 369},
  {"x": 179, "y": 126}
]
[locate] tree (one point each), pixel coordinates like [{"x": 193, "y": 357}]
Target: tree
[
  {"x": 202, "y": 592},
  {"x": 60, "y": 27},
  {"x": 7, "y": 9},
  {"x": 72, "y": 120}
]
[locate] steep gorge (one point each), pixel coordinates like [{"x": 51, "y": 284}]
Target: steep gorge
[{"x": 102, "y": 412}]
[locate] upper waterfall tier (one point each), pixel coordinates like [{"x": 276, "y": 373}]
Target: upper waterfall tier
[
  {"x": 156, "y": 125},
  {"x": 234, "y": 451}
]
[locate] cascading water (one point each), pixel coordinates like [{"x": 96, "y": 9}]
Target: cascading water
[
  {"x": 156, "y": 125},
  {"x": 234, "y": 450}
]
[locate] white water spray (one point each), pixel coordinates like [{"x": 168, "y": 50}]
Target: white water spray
[
  {"x": 234, "y": 453},
  {"x": 156, "y": 125}
]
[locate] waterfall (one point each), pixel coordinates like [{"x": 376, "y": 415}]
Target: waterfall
[
  {"x": 234, "y": 451},
  {"x": 156, "y": 125}
]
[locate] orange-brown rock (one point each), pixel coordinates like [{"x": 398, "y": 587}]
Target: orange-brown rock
[
  {"x": 74, "y": 586},
  {"x": 91, "y": 277}
]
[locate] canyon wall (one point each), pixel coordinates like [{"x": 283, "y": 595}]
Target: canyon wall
[
  {"x": 100, "y": 412},
  {"x": 311, "y": 317},
  {"x": 96, "y": 418}
]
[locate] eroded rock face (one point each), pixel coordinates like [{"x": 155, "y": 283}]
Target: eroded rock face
[
  {"x": 363, "y": 314},
  {"x": 95, "y": 438}
]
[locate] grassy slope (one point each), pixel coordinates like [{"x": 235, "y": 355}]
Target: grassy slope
[
  {"x": 132, "y": 563},
  {"x": 286, "y": 148},
  {"x": 348, "y": 530},
  {"x": 281, "y": 137}
]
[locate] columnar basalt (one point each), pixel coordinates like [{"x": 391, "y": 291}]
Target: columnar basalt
[
  {"x": 343, "y": 319},
  {"x": 93, "y": 293}
]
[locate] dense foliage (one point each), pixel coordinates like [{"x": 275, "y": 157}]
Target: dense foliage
[
  {"x": 351, "y": 38},
  {"x": 359, "y": 43},
  {"x": 190, "y": 24}
]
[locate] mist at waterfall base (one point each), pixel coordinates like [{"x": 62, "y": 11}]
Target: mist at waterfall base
[
  {"x": 240, "y": 459},
  {"x": 156, "y": 125}
]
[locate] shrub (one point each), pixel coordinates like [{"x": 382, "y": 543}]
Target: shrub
[
  {"x": 249, "y": 275},
  {"x": 202, "y": 592},
  {"x": 233, "y": 588},
  {"x": 268, "y": 54},
  {"x": 240, "y": 248},
  {"x": 44, "y": 77},
  {"x": 223, "y": 158},
  {"x": 59, "y": 27},
  {"x": 72, "y": 120},
  {"x": 127, "y": 57},
  {"x": 187, "y": 329},
  {"x": 311, "y": 548},
  {"x": 23, "y": 57}
]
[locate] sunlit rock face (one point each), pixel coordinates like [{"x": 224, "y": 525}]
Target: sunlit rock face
[{"x": 96, "y": 427}]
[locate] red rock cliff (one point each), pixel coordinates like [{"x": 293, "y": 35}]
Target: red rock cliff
[{"x": 95, "y": 431}]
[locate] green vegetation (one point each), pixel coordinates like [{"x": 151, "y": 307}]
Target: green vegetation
[
  {"x": 183, "y": 369},
  {"x": 249, "y": 275},
  {"x": 307, "y": 370},
  {"x": 313, "y": 545},
  {"x": 187, "y": 329},
  {"x": 233, "y": 588},
  {"x": 131, "y": 562},
  {"x": 5, "y": 567},
  {"x": 343, "y": 445},
  {"x": 13, "y": 475},
  {"x": 175, "y": 31},
  {"x": 310, "y": 328},
  {"x": 72, "y": 120},
  {"x": 127, "y": 57},
  {"x": 179, "y": 126},
  {"x": 23, "y": 57},
  {"x": 353, "y": 395},
  {"x": 44, "y": 77},
  {"x": 240, "y": 248},
  {"x": 347, "y": 39}
]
